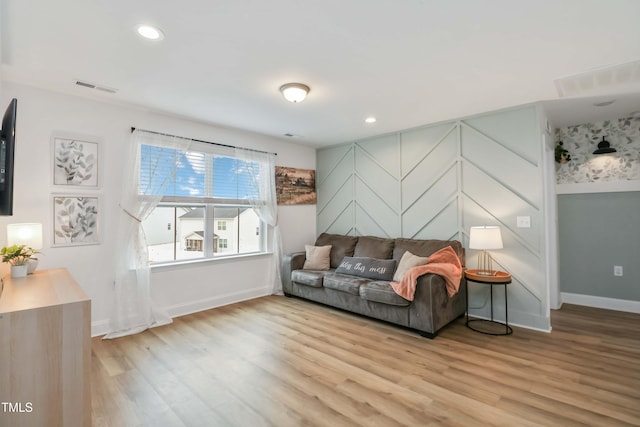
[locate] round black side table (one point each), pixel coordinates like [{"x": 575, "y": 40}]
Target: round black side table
[{"x": 496, "y": 278}]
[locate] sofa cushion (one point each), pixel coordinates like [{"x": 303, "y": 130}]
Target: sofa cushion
[
  {"x": 374, "y": 247},
  {"x": 371, "y": 268},
  {"x": 308, "y": 277},
  {"x": 407, "y": 262},
  {"x": 341, "y": 246},
  {"x": 382, "y": 292},
  {"x": 317, "y": 257},
  {"x": 344, "y": 283},
  {"x": 425, "y": 248}
]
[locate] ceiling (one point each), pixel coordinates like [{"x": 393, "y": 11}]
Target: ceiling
[{"x": 406, "y": 62}]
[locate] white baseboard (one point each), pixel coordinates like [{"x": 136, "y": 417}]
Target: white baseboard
[
  {"x": 217, "y": 301},
  {"x": 101, "y": 327},
  {"x": 601, "y": 302},
  {"x": 545, "y": 330},
  {"x": 512, "y": 323}
]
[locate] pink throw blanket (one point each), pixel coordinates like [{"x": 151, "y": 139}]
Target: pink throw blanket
[{"x": 444, "y": 262}]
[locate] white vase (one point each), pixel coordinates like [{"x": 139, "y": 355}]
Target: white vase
[
  {"x": 32, "y": 264},
  {"x": 19, "y": 270}
]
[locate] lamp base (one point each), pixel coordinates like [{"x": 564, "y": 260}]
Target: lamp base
[
  {"x": 486, "y": 272},
  {"x": 485, "y": 264}
]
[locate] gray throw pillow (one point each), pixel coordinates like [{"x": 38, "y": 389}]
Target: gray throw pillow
[{"x": 370, "y": 268}]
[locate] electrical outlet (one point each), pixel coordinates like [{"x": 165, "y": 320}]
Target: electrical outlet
[
  {"x": 617, "y": 270},
  {"x": 523, "y": 221}
]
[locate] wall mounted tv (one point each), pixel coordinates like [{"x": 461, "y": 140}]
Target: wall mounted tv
[{"x": 7, "y": 145}]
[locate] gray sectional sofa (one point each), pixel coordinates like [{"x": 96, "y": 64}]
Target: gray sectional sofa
[{"x": 431, "y": 309}]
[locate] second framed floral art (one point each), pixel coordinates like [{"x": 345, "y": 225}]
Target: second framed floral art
[{"x": 75, "y": 219}]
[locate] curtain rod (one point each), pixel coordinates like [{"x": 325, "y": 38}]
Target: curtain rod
[{"x": 206, "y": 142}]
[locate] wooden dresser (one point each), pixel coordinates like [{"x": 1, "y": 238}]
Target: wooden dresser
[{"x": 45, "y": 351}]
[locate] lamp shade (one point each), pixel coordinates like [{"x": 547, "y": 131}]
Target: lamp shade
[
  {"x": 604, "y": 147},
  {"x": 485, "y": 237},
  {"x": 28, "y": 234}
]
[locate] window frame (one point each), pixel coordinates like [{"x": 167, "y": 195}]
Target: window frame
[
  {"x": 210, "y": 227},
  {"x": 210, "y": 203}
]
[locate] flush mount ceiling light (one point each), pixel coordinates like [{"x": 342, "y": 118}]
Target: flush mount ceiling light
[
  {"x": 604, "y": 147},
  {"x": 370, "y": 120},
  {"x": 150, "y": 32},
  {"x": 294, "y": 92}
]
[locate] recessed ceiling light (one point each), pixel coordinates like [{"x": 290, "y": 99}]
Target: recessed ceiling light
[
  {"x": 150, "y": 32},
  {"x": 370, "y": 120}
]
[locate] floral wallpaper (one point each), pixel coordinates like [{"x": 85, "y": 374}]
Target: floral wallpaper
[{"x": 582, "y": 140}]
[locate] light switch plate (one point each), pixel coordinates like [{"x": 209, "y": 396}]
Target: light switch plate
[{"x": 523, "y": 222}]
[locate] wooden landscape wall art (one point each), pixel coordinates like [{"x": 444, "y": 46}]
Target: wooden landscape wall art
[{"x": 295, "y": 186}]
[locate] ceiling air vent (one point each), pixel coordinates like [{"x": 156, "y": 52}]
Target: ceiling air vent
[
  {"x": 106, "y": 89},
  {"x": 96, "y": 87},
  {"x": 620, "y": 78},
  {"x": 85, "y": 84}
]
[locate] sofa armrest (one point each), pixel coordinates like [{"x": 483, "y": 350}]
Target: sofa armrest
[
  {"x": 291, "y": 262},
  {"x": 432, "y": 308}
]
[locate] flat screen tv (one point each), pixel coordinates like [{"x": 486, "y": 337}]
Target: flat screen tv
[{"x": 7, "y": 145}]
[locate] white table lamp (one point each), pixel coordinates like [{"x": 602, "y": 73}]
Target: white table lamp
[
  {"x": 28, "y": 234},
  {"x": 484, "y": 238}
]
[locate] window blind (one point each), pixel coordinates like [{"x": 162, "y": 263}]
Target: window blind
[{"x": 200, "y": 176}]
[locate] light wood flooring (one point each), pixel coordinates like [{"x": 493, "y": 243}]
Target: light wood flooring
[{"x": 279, "y": 361}]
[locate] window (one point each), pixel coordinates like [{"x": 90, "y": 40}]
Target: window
[{"x": 206, "y": 211}]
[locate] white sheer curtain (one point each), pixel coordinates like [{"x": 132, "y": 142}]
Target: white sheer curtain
[
  {"x": 262, "y": 171},
  {"x": 133, "y": 310}
]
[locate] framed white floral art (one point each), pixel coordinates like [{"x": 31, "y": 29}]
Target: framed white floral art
[
  {"x": 75, "y": 162},
  {"x": 75, "y": 220}
]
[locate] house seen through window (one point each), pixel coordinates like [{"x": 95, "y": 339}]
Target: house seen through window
[{"x": 207, "y": 210}]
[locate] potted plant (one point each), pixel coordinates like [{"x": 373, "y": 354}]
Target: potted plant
[
  {"x": 561, "y": 153},
  {"x": 18, "y": 256}
]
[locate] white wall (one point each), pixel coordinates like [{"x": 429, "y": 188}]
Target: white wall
[{"x": 181, "y": 289}]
